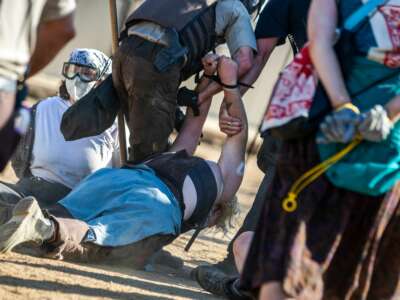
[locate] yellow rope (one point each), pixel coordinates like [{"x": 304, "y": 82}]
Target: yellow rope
[{"x": 289, "y": 204}]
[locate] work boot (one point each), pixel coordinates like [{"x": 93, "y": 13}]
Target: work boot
[
  {"x": 211, "y": 279},
  {"x": 27, "y": 224},
  {"x": 227, "y": 265},
  {"x": 165, "y": 258},
  {"x": 217, "y": 283}
]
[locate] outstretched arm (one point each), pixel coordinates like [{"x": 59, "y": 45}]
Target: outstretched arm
[
  {"x": 232, "y": 159},
  {"x": 244, "y": 58},
  {"x": 189, "y": 136}
]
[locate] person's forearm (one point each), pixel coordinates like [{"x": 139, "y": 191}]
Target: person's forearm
[
  {"x": 265, "y": 47},
  {"x": 329, "y": 72},
  {"x": 214, "y": 88},
  {"x": 190, "y": 133},
  {"x": 322, "y": 23},
  {"x": 235, "y": 107},
  {"x": 52, "y": 37},
  {"x": 393, "y": 109},
  {"x": 251, "y": 77},
  {"x": 192, "y": 127},
  {"x": 7, "y": 103}
]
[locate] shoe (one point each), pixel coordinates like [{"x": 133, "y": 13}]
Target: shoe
[
  {"x": 5, "y": 212},
  {"x": 227, "y": 265},
  {"x": 27, "y": 224},
  {"x": 165, "y": 258},
  {"x": 211, "y": 279}
]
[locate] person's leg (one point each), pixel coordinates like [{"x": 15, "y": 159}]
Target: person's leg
[
  {"x": 9, "y": 196},
  {"x": 27, "y": 224},
  {"x": 148, "y": 98},
  {"x": 271, "y": 291},
  {"x": 241, "y": 248},
  {"x": 251, "y": 219},
  {"x": 140, "y": 253},
  {"x": 46, "y": 193}
]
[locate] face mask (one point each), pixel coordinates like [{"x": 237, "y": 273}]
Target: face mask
[{"x": 77, "y": 88}]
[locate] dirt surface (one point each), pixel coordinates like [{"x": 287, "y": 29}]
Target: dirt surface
[{"x": 26, "y": 277}]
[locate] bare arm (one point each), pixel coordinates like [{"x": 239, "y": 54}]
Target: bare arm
[
  {"x": 322, "y": 23},
  {"x": 53, "y": 35},
  {"x": 244, "y": 57},
  {"x": 189, "y": 136},
  {"x": 393, "y": 109},
  {"x": 232, "y": 159},
  {"x": 265, "y": 48}
]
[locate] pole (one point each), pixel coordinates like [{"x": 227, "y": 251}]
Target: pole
[{"x": 121, "y": 122}]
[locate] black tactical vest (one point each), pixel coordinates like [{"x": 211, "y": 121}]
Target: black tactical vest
[
  {"x": 194, "y": 20},
  {"x": 172, "y": 168}
]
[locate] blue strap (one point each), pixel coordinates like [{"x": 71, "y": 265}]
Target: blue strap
[{"x": 358, "y": 16}]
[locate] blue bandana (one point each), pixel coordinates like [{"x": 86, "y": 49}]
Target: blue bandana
[{"x": 91, "y": 58}]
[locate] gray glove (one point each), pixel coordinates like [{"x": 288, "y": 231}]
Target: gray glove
[
  {"x": 375, "y": 126},
  {"x": 339, "y": 127}
]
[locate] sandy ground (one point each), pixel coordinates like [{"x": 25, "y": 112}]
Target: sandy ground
[{"x": 26, "y": 277}]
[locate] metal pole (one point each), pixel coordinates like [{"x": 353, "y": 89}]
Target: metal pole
[{"x": 121, "y": 122}]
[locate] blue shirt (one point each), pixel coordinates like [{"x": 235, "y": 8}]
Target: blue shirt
[{"x": 122, "y": 206}]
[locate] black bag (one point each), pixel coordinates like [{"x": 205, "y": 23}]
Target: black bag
[{"x": 92, "y": 114}]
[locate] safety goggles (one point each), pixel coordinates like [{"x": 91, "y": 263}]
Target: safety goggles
[{"x": 85, "y": 73}]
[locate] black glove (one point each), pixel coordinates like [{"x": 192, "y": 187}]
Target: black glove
[
  {"x": 190, "y": 99},
  {"x": 179, "y": 119}
]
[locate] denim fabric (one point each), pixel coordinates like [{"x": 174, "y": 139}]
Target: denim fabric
[{"x": 122, "y": 206}]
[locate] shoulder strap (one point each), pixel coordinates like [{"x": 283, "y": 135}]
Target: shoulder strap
[
  {"x": 356, "y": 18},
  {"x": 293, "y": 44}
]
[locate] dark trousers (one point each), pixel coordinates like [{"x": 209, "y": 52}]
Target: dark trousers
[
  {"x": 148, "y": 97},
  {"x": 46, "y": 193},
  {"x": 251, "y": 219}
]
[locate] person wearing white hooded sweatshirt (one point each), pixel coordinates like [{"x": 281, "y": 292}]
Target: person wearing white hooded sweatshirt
[{"x": 48, "y": 167}]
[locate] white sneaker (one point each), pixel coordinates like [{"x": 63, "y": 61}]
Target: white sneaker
[{"x": 27, "y": 224}]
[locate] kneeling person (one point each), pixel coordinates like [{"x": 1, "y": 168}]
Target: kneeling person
[{"x": 138, "y": 209}]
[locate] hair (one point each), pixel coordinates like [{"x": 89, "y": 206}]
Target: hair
[
  {"x": 62, "y": 91},
  {"x": 229, "y": 215}
]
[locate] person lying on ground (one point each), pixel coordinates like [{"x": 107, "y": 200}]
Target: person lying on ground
[
  {"x": 48, "y": 167},
  {"x": 131, "y": 212}
]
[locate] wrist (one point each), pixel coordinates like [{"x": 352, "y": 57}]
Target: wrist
[
  {"x": 393, "y": 110},
  {"x": 340, "y": 101},
  {"x": 348, "y": 105}
]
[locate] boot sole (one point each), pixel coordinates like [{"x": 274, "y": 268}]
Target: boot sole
[{"x": 12, "y": 231}]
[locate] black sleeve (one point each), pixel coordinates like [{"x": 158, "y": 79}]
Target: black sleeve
[{"x": 274, "y": 21}]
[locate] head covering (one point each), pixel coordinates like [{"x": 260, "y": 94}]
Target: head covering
[{"x": 91, "y": 58}]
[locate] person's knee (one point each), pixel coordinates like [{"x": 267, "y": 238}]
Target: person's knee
[{"x": 242, "y": 244}]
